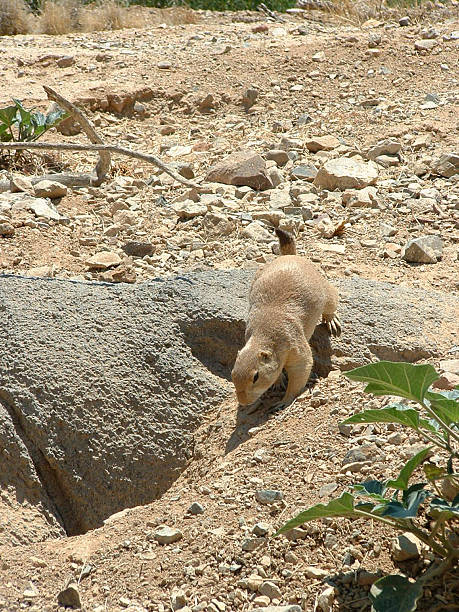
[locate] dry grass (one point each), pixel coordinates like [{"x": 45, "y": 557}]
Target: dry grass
[
  {"x": 63, "y": 16},
  {"x": 14, "y": 18}
]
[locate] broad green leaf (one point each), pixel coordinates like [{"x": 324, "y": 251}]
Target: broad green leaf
[
  {"x": 399, "y": 510},
  {"x": 38, "y": 119},
  {"x": 394, "y": 594},
  {"x": 8, "y": 115},
  {"x": 405, "y": 473},
  {"x": 55, "y": 117},
  {"x": 433, "y": 472},
  {"x": 343, "y": 506},
  {"x": 396, "y": 378},
  {"x": 5, "y": 134},
  {"x": 445, "y": 406},
  {"x": 439, "y": 508},
  {"x": 396, "y": 413},
  {"x": 371, "y": 488}
]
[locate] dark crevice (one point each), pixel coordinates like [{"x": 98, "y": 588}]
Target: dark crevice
[{"x": 60, "y": 506}]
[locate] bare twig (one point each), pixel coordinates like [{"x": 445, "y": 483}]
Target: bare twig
[
  {"x": 152, "y": 159},
  {"x": 104, "y": 163}
]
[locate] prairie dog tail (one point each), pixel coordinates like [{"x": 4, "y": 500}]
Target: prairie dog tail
[{"x": 286, "y": 242}]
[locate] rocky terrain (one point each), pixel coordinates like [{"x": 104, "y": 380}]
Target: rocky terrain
[{"x": 115, "y": 393}]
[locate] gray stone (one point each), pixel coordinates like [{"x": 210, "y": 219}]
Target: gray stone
[
  {"x": 178, "y": 600},
  {"x": 267, "y": 496},
  {"x": 196, "y": 508},
  {"x": 447, "y": 165},
  {"x": 251, "y": 544},
  {"x": 261, "y": 529},
  {"x": 425, "y": 45},
  {"x": 406, "y": 546},
  {"x": 304, "y": 172},
  {"x": 425, "y": 249},
  {"x": 346, "y": 173},
  {"x": 404, "y": 21},
  {"x": 167, "y": 535},
  {"x": 139, "y": 366},
  {"x": 241, "y": 168}
]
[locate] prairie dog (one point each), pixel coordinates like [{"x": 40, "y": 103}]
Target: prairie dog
[{"x": 286, "y": 300}]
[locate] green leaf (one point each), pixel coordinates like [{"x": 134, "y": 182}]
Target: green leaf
[
  {"x": 5, "y": 134},
  {"x": 396, "y": 378},
  {"x": 405, "y": 473},
  {"x": 439, "y": 508},
  {"x": 408, "y": 509},
  {"x": 371, "y": 488},
  {"x": 394, "y": 594},
  {"x": 396, "y": 413},
  {"x": 55, "y": 117},
  {"x": 343, "y": 506},
  {"x": 8, "y": 115},
  {"x": 445, "y": 406},
  {"x": 433, "y": 472}
]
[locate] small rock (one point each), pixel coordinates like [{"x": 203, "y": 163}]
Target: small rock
[
  {"x": 278, "y": 155},
  {"x": 404, "y": 22},
  {"x": 261, "y": 529},
  {"x": 450, "y": 365},
  {"x": 167, "y": 535},
  {"x": 103, "y": 260},
  {"x": 178, "y": 600},
  {"x": 367, "y": 578},
  {"x": 50, "y": 189},
  {"x": 322, "y": 143},
  {"x": 40, "y": 271},
  {"x": 120, "y": 274},
  {"x": 196, "y": 509},
  {"x": 421, "y": 142},
  {"x": 37, "y": 562},
  {"x": 406, "y": 546},
  {"x": 290, "y": 557},
  {"x": 65, "y": 61},
  {"x": 270, "y": 590},
  {"x": 328, "y": 489},
  {"x": 290, "y": 608},
  {"x": 267, "y": 496},
  {"x": 447, "y": 381},
  {"x": 251, "y": 544},
  {"x": 30, "y": 592},
  {"x": 386, "y": 161},
  {"x": 164, "y": 65},
  {"x": 138, "y": 249},
  {"x": 425, "y": 249},
  {"x": 315, "y": 572},
  {"x": 447, "y": 165},
  {"x": 42, "y": 208},
  {"x": 70, "y": 596},
  {"x": 242, "y": 168},
  {"x": 305, "y": 172},
  {"x": 354, "y": 454},
  {"x": 326, "y": 599},
  {"x": 189, "y": 209},
  {"x": 21, "y": 183},
  {"x": 249, "y": 98},
  {"x": 425, "y": 45},
  {"x": 346, "y": 173},
  {"x": 218, "y": 224},
  {"x": 6, "y": 229},
  {"x": 261, "y": 600},
  {"x": 384, "y": 147},
  {"x": 255, "y": 231}
]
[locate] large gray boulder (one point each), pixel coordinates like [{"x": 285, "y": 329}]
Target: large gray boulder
[{"x": 102, "y": 385}]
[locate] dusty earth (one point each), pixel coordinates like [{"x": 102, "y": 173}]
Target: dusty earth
[{"x": 316, "y": 75}]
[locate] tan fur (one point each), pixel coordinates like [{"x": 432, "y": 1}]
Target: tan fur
[{"x": 287, "y": 298}]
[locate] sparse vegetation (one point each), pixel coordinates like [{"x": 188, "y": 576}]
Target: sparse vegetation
[
  {"x": 20, "y": 125},
  {"x": 429, "y": 510},
  {"x": 14, "y": 18}
]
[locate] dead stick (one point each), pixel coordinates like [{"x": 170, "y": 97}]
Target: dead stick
[
  {"x": 104, "y": 163},
  {"x": 96, "y": 147}
]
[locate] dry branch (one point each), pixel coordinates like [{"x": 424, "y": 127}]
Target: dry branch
[
  {"x": 104, "y": 163},
  {"x": 152, "y": 159}
]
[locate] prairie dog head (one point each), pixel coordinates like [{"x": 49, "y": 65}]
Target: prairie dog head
[{"x": 255, "y": 370}]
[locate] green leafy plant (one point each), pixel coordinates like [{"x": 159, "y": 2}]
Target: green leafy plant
[
  {"x": 19, "y": 124},
  {"x": 397, "y": 503}
]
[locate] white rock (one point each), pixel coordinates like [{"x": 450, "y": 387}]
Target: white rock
[
  {"x": 103, "y": 260},
  {"x": 167, "y": 535},
  {"x": 256, "y": 231},
  {"x": 50, "y": 189},
  {"x": 189, "y": 209},
  {"x": 346, "y": 173}
]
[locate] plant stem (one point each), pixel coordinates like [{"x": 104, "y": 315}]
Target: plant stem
[{"x": 446, "y": 427}]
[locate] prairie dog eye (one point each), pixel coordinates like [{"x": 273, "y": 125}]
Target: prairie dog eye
[{"x": 255, "y": 378}]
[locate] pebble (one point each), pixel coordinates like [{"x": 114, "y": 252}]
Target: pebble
[
  {"x": 322, "y": 143},
  {"x": 305, "y": 172},
  {"x": 268, "y": 496},
  {"x": 178, "y": 600},
  {"x": 30, "y": 592},
  {"x": 271, "y": 590},
  {"x": 138, "y": 249},
  {"x": 257, "y": 232},
  {"x": 6, "y": 229},
  {"x": 425, "y": 45},
  {"x": 241, "y": 168},
  {"x": 167, "y": 535},
  {"x": 278, "y": 155},
  {"x": 189, "y": 209},
  {"x": 251, "y": 544},
  {"x": 326, "y": 599},
  {"x": 315, "y": 572},
  {"x": 447, "y": 165},
  {"x": 289, "y": 608}
]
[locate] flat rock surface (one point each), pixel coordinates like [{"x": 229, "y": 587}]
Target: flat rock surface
[{"x": 102, "y": 386}]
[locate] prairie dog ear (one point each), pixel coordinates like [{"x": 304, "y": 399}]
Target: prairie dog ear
[{"x": 265, "y": 356}]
